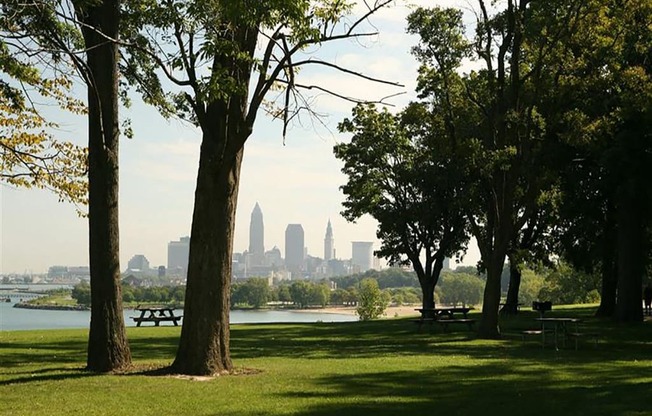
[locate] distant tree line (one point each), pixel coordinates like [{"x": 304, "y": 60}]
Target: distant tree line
[
  {"x": 132, "y": 294},
  {"x": 560, "y": 285}
]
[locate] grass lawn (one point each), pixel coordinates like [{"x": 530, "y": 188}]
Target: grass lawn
[{"x": 354, "y": 368}]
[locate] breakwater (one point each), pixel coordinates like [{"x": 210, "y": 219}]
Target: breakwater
[{"x": 24, "y": 305}]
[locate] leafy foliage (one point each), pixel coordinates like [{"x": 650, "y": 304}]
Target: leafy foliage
[
  {"x": 461, "y": 288},
  {"x": 254, "y": 292},
  {"x": 30, "y": 156},
  {"x": 372, "y": 302}
]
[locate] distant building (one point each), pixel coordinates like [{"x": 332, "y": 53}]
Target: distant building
[
  {"x": 447, "y": 263},
  {"x": 57, "y": 272},
  {"x": 273, "y": 258},
  {"x": 138, "y": 263},
  {"x": 69, "y": 273},
  {"x": 361, "y": 255},
  {"x": 294, "y": 249},
  {"x": 178, "y": 256},
  {"x": 257, "y": 236},
  {"x": 329, "y": 243}
]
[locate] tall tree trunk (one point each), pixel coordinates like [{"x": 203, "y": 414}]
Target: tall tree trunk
[
  {"x": 609, "y": 265},
  {"x": 511, "y": 303},
  {"x": 108, "y": 347},
  {"x": 488, "y": 327},
  {"x": 609, "y": 271},
  {"x": 428, "y": 280},
  {"x": 631, "y": 252},
  {"x": 204, "y": 345}
]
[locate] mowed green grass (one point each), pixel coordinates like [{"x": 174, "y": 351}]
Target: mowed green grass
[{"x": 355, "y": 368}]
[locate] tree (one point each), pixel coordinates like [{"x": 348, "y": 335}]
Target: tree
[
  {"x": 208, "y": 49},
  {"x": 531, "y": 285},
  {"x": 519, "y": 49},
  {"x": 564, "y": 285},
  {"x": 400, "y": 172},
  {"x": 254, "y": 291},
  {"x": 372, "y": 302},
  {"x": 320, "y": 294},
  {"x": 29, "y": 155},
  {"x": 108, "y": 347},
  {"x": 610, "y": 83},
  {"x": 82, "y": 294},
  {"x": 49, "y": 24},
  {"x": 301, "y": 292},
  {"x": 461, "y": 288}
]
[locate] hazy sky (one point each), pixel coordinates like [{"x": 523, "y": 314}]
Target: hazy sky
[{"x": 295, "y": 182}]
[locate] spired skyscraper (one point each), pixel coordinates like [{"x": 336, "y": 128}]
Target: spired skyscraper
[
  {"x": 329, "y": 243},
  {"x": 257, "y": 236}
]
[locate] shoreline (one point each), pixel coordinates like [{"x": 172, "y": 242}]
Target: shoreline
[{"x": 390, "y": 312}]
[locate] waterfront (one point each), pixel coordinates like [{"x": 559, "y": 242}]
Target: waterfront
[{"x": 23, "y": 319}]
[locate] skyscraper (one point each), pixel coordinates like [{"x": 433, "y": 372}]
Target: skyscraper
[
  {"x": 294, "y": 243},
  {"x": 178, "y": 256},
  {"x": 329, "y": 242},
  {"x": 257, "y": 236},
  {"x": 361, "y": 254}
]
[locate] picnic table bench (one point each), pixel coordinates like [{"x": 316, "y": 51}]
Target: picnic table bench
[{"x": 156, "y": 314}]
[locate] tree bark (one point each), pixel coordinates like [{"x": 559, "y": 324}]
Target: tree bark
[
  {"x": 631, "y": 255},
  {"x": 489, "y": 328},
  {"x": 609, "y": 265},
  {"x": 204, "y": 346},
  {"x": 511, "y": 303},
  {"x": 428, "y": 282},
  {"x": 108, "y": 347},
  {"x": 609, "y": 272}
]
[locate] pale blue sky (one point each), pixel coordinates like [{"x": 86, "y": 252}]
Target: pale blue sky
[{"x": 294, "y": 183}]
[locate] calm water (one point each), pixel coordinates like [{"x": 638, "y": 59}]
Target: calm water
[{"x": 17, "y": 319}]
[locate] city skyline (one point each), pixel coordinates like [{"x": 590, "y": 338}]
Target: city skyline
[{"x": 295, "y": 177}]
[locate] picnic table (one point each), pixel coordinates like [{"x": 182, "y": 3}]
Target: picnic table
[
  {"x": 445, "y": 311},
  {"x": 156, "y": 314},
  {"x": 560, "y": 329},
  {"x": 445, "y": 316}
]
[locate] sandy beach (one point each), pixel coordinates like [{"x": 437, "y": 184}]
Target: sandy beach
[{"x": 390, "y": 312}]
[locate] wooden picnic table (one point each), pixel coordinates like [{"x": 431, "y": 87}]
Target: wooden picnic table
[
  {"x": 445, "y": 316},
  {"x": 444, "y": 312},
  {"x": 156, "y": 314}
]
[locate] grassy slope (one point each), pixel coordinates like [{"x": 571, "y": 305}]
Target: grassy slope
[{"x": 377, "y": 368}]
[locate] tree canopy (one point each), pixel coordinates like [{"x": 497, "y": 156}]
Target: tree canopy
[{"x": 30, "y": 154}]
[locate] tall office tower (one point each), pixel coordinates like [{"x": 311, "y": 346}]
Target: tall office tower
[
  {"x": 329, "y": 243},
  {"x": 257, "y": 236},
  {"x": 294, "y": 243},
  {"x": 178, "y": 256},
  {"x": 361, "y": 255}
]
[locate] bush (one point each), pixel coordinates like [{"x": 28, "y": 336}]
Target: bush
[
  {"x": 82, "y": 294},
  {"x": 372, "y": 302}
]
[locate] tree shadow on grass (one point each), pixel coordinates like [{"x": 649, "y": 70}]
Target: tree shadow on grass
[
  {"x": 44, "y": 374},
  {"x": 14, "y": 354},
  {"x": 400, "y": 337},
  {"x": 505, "y": 388}
]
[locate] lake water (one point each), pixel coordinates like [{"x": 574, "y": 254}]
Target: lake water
[{"x": 21, "y": 319}]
